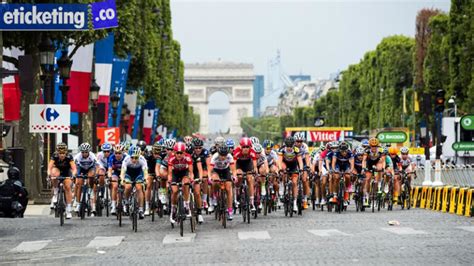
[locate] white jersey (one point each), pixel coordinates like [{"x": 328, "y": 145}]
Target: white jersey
[
  {"x": 272, "y": 157},
  {"x": 315, "y": 158},
  {"x": 140, "y": 164},
  {"x": 219, "y": 164},
  {"x": 102, "y": 160},
  {"x": 87, "y": 162}
]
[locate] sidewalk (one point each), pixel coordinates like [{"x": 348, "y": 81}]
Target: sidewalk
[{"x": 37, "y": 210}]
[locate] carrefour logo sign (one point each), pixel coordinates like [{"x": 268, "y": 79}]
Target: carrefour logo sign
[{"x": 58, "y": 16}]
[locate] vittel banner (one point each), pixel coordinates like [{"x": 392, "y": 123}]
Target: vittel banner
[{"x": 57, "y": 17}]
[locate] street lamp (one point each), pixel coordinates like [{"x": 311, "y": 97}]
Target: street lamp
[
  {"x": 114, "y": 100},
  {"x": 46, "y": 53},
  {"x": 94, "y": 91},
  {"x": 64, "y": 65},
  {"x": 452, "y": 102}
]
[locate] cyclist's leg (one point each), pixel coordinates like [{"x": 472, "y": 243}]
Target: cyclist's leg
[
  {"x": 162, "y": 194},
  {"x": 114, "y": 184},
  {"x": 396, "y": 187},
  {"x": 55, "y": 173},
  {"x": 127, "y": 187},
  {"x": 251, "y": 182},
  {"x": 335, "y": 185},
  {"x": 78, "y": 189},
  {"x": 294, "y": 180},
  {"x": 149, "y": 184},
  {"x": 204, "y": 187},
  {"x": 324, "y": 182},
  {"x": 91, "y": 182},
  {"x": 306, "y": 190}
]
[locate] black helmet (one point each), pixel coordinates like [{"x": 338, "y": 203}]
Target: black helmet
[
  {"x": 197, "y": 142},
  {"x": 343, "y": 146},
  {"x": 223, "y": 150},
  {"x": 189, "y": 148},
  {"x": 290, "y": 141},
  {"x": 13, "y": 173},
  {"x": 142, "y": 145}
]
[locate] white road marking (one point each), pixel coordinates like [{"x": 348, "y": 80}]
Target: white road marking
[
  {"x": 31, "y": 246},
  {"x": 328, "y": 232},
  {"x": 467, "y": 228},
  {"x": 105, "y": 241},
  {"x": 404, "y": 231},
  {"x": 260, "y": 235},
  {"x": 176, "y": 238}
]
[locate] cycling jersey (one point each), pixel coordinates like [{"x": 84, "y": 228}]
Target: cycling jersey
[
  {"x": 405, "y": 163},
  {"x": 85, "y": 164},
  {"x": 116, "y": 164},
  {"x": 220, "y": 164},
  {"x": 272, "y": 157},
  {"x": 372, "y": 158},
  {"x": 134, "y": 171},
  {"x": 102, "y": 160},
  {"x": 244, "y": 161},
  {"x": 64, "y": 166},
  {"x": 395, "y": 162},
  {"x": 261, "y": 159},
  {"x": 388, "y": 162},
  {"x": 290, "y": 158},
  {"x": 151, "y": 163},
  {"x": 303, "y": 151},
  {"x": 164, "y": 161},
  {"x": 342, "y": 161},
  {"x": 180, "y": 167},
  {"x": 213, "y": 150},
  {"x": 358, "y": 164},
  {"x": 201, "y": 157}
]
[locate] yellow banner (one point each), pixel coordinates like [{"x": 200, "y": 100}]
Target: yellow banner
[{"x": 417, "y": 151}]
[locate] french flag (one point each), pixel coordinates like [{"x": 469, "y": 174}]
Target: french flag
[
  {"x": 104, "y": 54},
  {"x": 148, "y": 114},
  {"x": 80, "y": 81},
  {"x": 11, "y": 89}
]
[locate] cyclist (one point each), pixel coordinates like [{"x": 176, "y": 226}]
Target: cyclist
[
  {"x": 407, "y": 164},
  {"x": 169, "y": 146},
  {"x": 262, "y": 168},
  {"x": 103, "y": 162},
  {"x": 389, "y": 169},
  {"x": 134, "y": 170},
  {"x": 333, "y": 148},
  {"x": 324, "y": 172},
  {"x": 115, "y": 166},
  {"x": 272, "y": 159},
  {"x": 180, "y": 169},
  {"x": 246, "y": 162},
  {"x": 142, "y": 146},
  {"x": 304, "y": 153},
  {"x": 219, "y": 141},
  {"x": 373, "y": 160},
  {"x": 126, "y": 146},
  {"x": 231, "y": 145},
  {"x": 201, "y": 155},
  {"x": 151, "y": 159},
  {"x": 343, "y": 162},
  {"x": 222, "y": 163},
  {"x": 86, "y": 168},
  {"x": 62, "y": 165},
  {"x": 393, "y": 153},
  {"x": 291, "y": 161},
  {"x": 187, "y": 140}
]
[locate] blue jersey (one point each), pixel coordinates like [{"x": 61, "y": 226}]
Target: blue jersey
[
  {"x": 116, "y": 164},
  {"x": 342, "y": 161}
]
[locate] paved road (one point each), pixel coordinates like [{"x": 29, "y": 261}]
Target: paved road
[{"x": 423, "y": 237}]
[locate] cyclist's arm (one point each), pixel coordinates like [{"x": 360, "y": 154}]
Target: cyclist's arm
[
  {"x": 320, "y": 162},
  {"x": 266, "y": 165},
  {"x": 300, "y": 161},
  {"x": 306, "y": 157},
  {"x": 157, "y": 168},
  {"x": 50, "y": 167},
  {"x": 333, "y": 162},
  {"x": 280, "y": 161},
  {"x": 208, "y": 161},
  {"x": 232, "y": 168},
  {"x": 384, "y": 162},
  {"x": 123, "y": 170},
  {"x": 200, "y": 171},
  {"x": 364, "y": 161},
  {"x": 351, "y": 160},
  {"x": 73, "y": 168},
  {"x": 255, "y": 167},
  {"x": 170, "y": 169}
]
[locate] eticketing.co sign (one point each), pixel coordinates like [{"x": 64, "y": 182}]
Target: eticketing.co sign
[{"x": 60, "y": 17}]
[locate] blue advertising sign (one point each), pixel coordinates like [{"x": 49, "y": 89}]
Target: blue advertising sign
[
  {"x": 43, "y": 17},
  {"x": 104, "y": 15},
  {"x": 58, "y": 17},
  {"x": 119, "y": 81}
]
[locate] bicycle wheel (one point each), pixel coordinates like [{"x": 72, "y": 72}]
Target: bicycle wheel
[
  {"x": 247, "y": 204},
  {"x": 180, "y": 214},
  {"x": 60, "y": 206},
  {"x": 192, "y": 210},
  {"x": 372, "y": 195},
  {"x": 153, "y": 201},
  {"x": 82, "y": 209},
  {"x": 224, "y": 208},
  {"x": 106, "y": 201},
  {"x": 135, "y": 214},
  {"x": 408, "y": 195},
  {"x": 242, "y": 207},
  {"x": 313, "y": 195},
  {"x": 98, "y": 206}
]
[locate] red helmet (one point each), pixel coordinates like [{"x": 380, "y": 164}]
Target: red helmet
[
  {"x": 179, "y": 147},
  {"x": 245, "y": 142}
]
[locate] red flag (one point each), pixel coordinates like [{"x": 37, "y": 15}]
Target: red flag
[
  {"x": 12, "y": 99},
  {"x": 80, "y": 81}
]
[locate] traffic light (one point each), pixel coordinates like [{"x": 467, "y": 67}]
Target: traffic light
[{"x": 439, "y": 101}]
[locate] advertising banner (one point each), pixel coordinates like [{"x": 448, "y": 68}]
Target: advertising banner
[{"x": 50, "y": 118}]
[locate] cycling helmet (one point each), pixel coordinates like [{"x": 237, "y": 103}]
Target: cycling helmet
[
  {"x": 61, "y": 147},
  {"x": 258, "y": 148},
  {"x": 254, "y": 141},
  {"x": 365, "y": 143},
  {"x": 299, "y": 136},
  {"x": 230, "y": 143},
  {"x": 106, "y": 147},
  {"x": 374, "y": 142},
  {"x": 360, "y": 150},
  {"x": 392, "y": 150},
  {"x": 161, "y": 142},
  {"x": 334, "y": 145},
  {"x": 245, "y": 142},
  {"x": 322, "y": 147},
  {"x": 142, "y": 145},
  {"x": 156, "y": 147},
  {"x": 404, "y": 150},
  {"x": 85, "y": 147},
  {"x": 179, "y": 147},
  {"x": 126, "y": 145},
  {"x": 197, "y": 142},
  {"x": 313, "y": 152},
  {"x": 385, "y": 150},
  {"x": 118, "y": 147},
  {"x": 343, "y": 146},
  {"x": 223, "y": 150},
  {"x": 268, "y": 144},
  {"x": 134, "y": 151},
  {"x": 169, "y": 143},
  {"x": 219, "y": 141},
  {"x": 290, "y": 141},
  {"x": 187, "y": 139}
]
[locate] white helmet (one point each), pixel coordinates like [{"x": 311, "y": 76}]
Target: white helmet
[
  {"x": 299, "y": 136},
  {"x": 219, "y": 141},
  {"x": 85, "y": 147},
  {"x": 404, "y": 150},
  {"x": 169, "y": 144},
  {"x": 258, "y": 148},
  {"x": 254, "y": 141}
]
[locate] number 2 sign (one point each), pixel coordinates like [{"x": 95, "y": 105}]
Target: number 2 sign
[{"x": 108, "y": 134}]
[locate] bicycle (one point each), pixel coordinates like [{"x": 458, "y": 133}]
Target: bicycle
[
  {"x": 288, "y": 197},
  {"x": 269, "y": 198},
  {"x": 181, "y": 212},
  {"x": 388, "y": 197},
  {"x": 339, "y": 206},
  {"x": 314, "y": 182},
  {"x": 101, "y": 201},
  {"x": 359, "y": 193},
  {"x": 405, "y": 197},
  {"x": 221, "y": 208},
  {"x": 299, "y": 199},
  {"x": 119, "y": 210},
  {"x": 156, "y": 204},
  {"x": 133, "y": 207},
  {"x": 60, "y": 206},
  {"x": 85, "y": 200},
  {"x": 244, "y": 199}
]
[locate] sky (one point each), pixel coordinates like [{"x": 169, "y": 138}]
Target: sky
[{"x": 315, "y": 37}]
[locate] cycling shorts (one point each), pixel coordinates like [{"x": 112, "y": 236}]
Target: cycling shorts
[
  {"x": 224, "y": 174},
  {"x": 177, "y": 177},
  {"x": 245, "y": 165},
  {"x": 137, "y": 179}
]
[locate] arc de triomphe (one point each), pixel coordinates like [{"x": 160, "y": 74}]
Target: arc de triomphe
[{"x": 233, "y": 79}]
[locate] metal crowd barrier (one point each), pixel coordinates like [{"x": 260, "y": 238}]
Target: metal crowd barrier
[{"x": 455, "y": 175}]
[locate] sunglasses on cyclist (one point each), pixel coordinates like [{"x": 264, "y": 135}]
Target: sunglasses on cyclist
[
  {"x": 106, "y": 151},
  {"x": 198, "y": 147},
  {"x": 134, "y": 157},
  {"x": 169, "y": 149},
  {"x": 62, "y": 153},
  {"x": 299, "y": 141},
  {"x": 179, "y": 152},
  {"x": 245, "y": 147}
]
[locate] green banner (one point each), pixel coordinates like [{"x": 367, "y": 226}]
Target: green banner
[
  {"x": 463, "y": 146},
  {"x": 392, "y": 137},
  {"x": 467, "y": 122}
]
